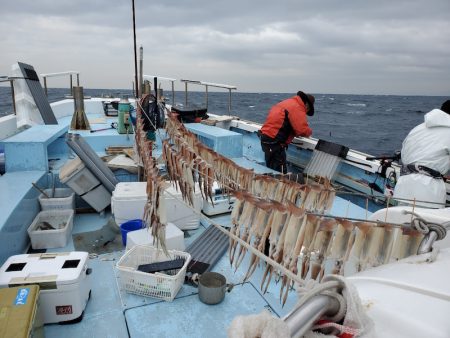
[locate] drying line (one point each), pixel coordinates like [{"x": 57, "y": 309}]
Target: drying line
[{"x": 260, "y": 255}]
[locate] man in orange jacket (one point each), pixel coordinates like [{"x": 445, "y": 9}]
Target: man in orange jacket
[{"x": 286, "y": 120}]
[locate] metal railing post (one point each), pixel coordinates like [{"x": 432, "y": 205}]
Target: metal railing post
[
  {"x": 13, "y": 98},
  {"x": 173, "y": 93},
  {"x": 185, "y": 94}
]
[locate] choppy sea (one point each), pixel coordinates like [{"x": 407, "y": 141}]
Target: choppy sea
[{"x": 374, "y": 124}]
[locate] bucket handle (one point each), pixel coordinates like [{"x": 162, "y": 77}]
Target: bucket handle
[
  {"x": 196, "y": 279},
  {"x": 229, "y": 286}
]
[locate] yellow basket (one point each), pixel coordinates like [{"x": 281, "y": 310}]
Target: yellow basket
[{"x": 157, "y": 285}]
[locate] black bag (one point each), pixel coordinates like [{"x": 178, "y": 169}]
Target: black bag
[{"x": 154, "y": 116}]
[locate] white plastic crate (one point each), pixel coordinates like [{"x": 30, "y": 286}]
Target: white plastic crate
[
  {"x": 157, "y": 285},
  {"x": 64, "y": 199},
  {"x": 61, "y": 220}
]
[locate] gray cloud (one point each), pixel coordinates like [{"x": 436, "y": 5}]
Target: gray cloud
[{"x": 329, "y": 46}]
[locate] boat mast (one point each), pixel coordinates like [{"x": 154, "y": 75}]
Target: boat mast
[{"x": 135, "y": 55}]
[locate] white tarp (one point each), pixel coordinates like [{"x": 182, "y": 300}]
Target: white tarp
[{"x": 428, "y": 144}]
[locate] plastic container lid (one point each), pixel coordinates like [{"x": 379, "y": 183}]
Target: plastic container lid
[
  {"x": 130, "y": 190},
  {"x": 18, "y": 306}
]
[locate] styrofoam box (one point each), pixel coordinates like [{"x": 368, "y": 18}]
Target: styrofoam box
[
  {"x": 129, "y": 198},
  {"x": 128, "y": 201},
  {"x": 64, "y": 279},
  {"x": 179, "y": 213},
  {"x": 98, "y": 198},
  {"x": 64, "y": 198},
  {"x": 77, "y": 176},
  {"x": 174, "y": 238},
  {"x": 61, "y": 220}
]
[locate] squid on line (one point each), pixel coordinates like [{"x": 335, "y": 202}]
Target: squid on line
[
  {"x": 320, "y": 246},
  {"x": 341, "y": 244},
  {"x": 293, "y": 242}
]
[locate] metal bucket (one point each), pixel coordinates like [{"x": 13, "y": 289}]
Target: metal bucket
[{"x": 212, "y": 287}]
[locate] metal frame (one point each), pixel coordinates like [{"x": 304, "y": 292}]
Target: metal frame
[
  {"x": 208, "y": 84},
  {"x": 70, "y": 73}
]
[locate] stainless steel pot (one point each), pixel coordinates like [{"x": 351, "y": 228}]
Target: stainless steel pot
[{"x": 212, "y": 287}]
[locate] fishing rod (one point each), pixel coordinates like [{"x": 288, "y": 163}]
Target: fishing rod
[
  {"x": 135, "y": 53},
  {"x": 113, "y": 126}
]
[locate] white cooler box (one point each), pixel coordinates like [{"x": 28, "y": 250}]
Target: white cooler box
[
  {"x": 64, "y": 279},
  {"x": 129, "y": 198},
  {"x": 174, "y": 238}
]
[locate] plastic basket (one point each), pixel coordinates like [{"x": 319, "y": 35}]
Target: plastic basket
[
  {"x": 61, "y": 220},
  {"x": 157, "y": 285},
  {"x": 64, "y": 199}
]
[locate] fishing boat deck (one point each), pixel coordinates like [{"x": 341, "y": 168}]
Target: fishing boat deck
[
  {"x": 390, "y": 291},
  {"x": 112, "y": 312}
]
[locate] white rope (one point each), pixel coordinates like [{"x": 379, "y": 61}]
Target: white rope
[{"x": 424, "y": 227}]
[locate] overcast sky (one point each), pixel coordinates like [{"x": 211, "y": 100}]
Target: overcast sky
[{"x": 321, "y": 46}]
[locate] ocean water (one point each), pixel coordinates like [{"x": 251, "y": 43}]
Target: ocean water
[{"x": 374, "y": 124}]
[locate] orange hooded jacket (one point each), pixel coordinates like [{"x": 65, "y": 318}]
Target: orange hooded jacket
[{"x": 286, "y": 120}]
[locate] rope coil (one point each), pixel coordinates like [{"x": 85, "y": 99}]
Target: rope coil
[{"x": 423, "y": 226}]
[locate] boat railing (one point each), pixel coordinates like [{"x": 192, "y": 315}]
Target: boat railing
[
  {"x": 60, "y": 74},
  {"x": 10, "y": 79},
  {"x": 207, "y": 85},
  {"x": 195, "y": 82}
]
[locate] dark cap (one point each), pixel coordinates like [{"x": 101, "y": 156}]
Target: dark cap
[
  {"x": 446, "y": 106},
  {"x": 309, "y": 99}
]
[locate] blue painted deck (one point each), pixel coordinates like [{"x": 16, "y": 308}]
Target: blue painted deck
[
  {"x": 112, "y": 312},
  {"x": 188, "y": 317}
]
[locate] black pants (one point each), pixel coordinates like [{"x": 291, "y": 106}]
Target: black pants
[{"x": 275, "y": 155}]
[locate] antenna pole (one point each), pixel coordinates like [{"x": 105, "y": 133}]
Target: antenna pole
[{"x": 135, "y": 55}]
